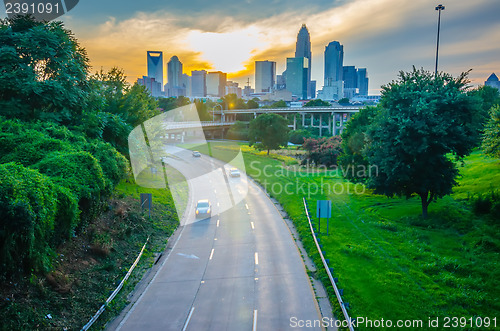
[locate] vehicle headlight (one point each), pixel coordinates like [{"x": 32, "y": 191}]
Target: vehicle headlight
[
  {"x": 197, "y": 211},
  {"x": 208, "y": 211}
]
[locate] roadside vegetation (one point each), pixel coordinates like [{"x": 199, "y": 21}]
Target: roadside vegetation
[
  {"x": 391, "y": 262},
  {"x": 70, "y": 221}
]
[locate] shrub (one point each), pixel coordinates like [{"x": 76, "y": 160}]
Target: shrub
[
  {"x": 81, "y": 173},
  {"x": 28, "y": 206}
]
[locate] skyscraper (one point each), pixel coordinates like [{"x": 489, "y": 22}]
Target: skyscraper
[
  {"x": 216, "y": 84},
  {"x": 350, "y": 76},
  {"x": 362, "y": 82},
  {"x": 155, "y": 66},
  {"x": 265, "y": 76},
  {"x": 199, "y": 83},
  {"x": 334, "y": 59},
  {"x": 493, "y": 81},
  {"x": 297, "y": 69},
  {"x": 174, "y": 72},
  {"x": 303, "y": 49}
]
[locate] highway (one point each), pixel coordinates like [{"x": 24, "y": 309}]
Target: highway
[{"x": 238, "y": 270}]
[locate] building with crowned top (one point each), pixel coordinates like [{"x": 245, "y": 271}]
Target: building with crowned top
[{"x": 493, "y": 81}]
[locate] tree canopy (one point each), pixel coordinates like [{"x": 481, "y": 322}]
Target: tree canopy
[
  {"x": 491, "y": 139},
  {"x": 268, "y": 131},
  {"x": 425, "y": 121},
  {"x": 44, "y": 71},
  {"x": 317, "y": 103}
]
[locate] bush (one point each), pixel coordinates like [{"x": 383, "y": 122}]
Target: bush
[
  {"x": 298, "y": 136},
  {"x": 323, "y": 151},
  {"x": 28, "y": 207},
  {"x": 81, "y": 173}
]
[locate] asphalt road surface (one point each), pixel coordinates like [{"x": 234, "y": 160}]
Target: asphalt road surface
[{"x": 238, "y": 270}]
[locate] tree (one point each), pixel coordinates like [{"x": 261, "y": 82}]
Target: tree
[
  {"x": 344, "y": 101},
  {"x": 352, "y": 160},
  {"x": 268, "y": 131},
  {"x": 317, "y": 103},
  {"x": 298, "y": 136},
  {"x": 253, "y": 103},
  {"x": 44, "y": 71},
  {"x": 170, "y": 103},
  {"x": 425, "y": 121},
  {"x": 278, "y": 104},
  {"x": 231, "y": 101},
  {"x": 491, "y": 138}
]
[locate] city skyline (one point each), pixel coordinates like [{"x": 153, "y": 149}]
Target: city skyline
[{"x": 222, "y": 36}]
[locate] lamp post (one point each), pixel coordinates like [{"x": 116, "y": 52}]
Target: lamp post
[{"x": 439, "y": 8}]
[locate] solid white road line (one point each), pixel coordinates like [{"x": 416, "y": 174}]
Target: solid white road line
[
  {"x": 253, "y": 226},
  {"x": 254, "y": 328},
  {"x": 189, "y": 318},
  {"x": 212, "y": 253},
  {"x": 256, "y": 258}
]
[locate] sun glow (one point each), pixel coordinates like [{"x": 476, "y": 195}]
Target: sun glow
[{"x": 228, "y": 51}]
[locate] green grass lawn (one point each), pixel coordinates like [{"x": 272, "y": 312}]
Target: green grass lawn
[{"x": 391, "y": 263}]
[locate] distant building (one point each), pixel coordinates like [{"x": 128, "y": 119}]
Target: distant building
[
  {"x": 362, "y": 82},
  {"x": 493, "y": 81},
  {"x": 281, "y": 81},
  {"x": 152, "y": 85},
  {"x": 334, "y": 59},
  {"x": 233, "y": 88},
  {"x": 216, "y": 84},
  {"x": 175, "y": 87},
  {"x": 350, "y": 76},
  {"x": 198, "y": 84},
  {"x": 155, "y": 66},
  {"x": 297, "y": 70},
  {"x": 303, "y": 50},
  {"x": 265, "y": 76}
]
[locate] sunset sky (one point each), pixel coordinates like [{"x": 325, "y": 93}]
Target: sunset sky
[{"x": 385, "y": 36}]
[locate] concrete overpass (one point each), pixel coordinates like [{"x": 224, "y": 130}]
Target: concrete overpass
[{"x": 332, "y": 119}]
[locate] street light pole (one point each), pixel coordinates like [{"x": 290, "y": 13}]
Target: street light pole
[{"x": 439, "y": 8}]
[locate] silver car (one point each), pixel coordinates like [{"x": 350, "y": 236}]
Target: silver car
[{"x": 203, "y": 209}]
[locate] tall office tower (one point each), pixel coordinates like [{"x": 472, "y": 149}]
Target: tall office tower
[
  {"x": 155, "y": 66},
  {"x": 297, "y": 69},
  {"x": 198, "y": 83},
  {"x": 174, "y": 75},
  {"x": 174, "y": 72},
  {"x": 362, "y": 82},
  {"x": 350, "y": 76},
  {"x": 303, "y": 49},
  {"x": 493, "y": 81},
  {"x": 216, "y": 84},
  {"x": 265, "y": 76},
  {"x": 334, "y": 59}
]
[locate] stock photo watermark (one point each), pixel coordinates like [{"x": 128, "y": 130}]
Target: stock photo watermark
[{"x": 41, "y": 10}]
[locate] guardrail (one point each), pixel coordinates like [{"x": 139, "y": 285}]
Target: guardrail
[
  {"x": 328, "y": 271},
  {"x": 115, "y": 292}
]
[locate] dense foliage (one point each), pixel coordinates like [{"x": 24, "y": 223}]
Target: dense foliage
[
  {"x": 491, "y": 139},
  {"x": 268, "y": 131},
  {"x": 425, "y": 120},
  {"x": 44, "y": 71},
  {"x": 62, "y": 140},
  {"x": 353, "y": 160},
  {"x": 323, "y": 151}
]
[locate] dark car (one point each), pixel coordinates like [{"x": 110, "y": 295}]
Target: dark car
[{"x": 203, "y": 209}]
